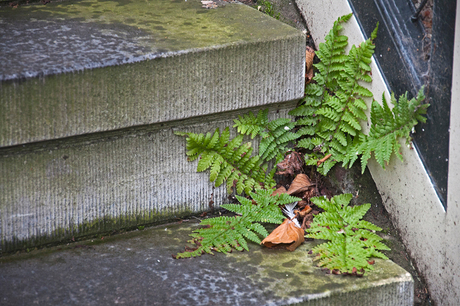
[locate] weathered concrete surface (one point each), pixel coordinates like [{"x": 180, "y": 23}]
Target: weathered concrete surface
[
  {"x": 106, "y": 181},
  {"x": 137, "y": 268},
  {"x": 77, "y": 67}
]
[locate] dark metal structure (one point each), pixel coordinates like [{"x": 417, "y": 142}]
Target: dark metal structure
[{"x": 409, "y": 57}]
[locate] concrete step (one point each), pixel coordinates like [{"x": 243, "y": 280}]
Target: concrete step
[
  {"x": 91, "y": 92},
  {"x": 71, "y": 68},
  {"x": 137, "y": 268}
]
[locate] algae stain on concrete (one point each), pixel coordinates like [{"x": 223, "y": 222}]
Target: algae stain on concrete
[
  {"x": 284, "y": 271},
  {"x": 180, "y": 25},
  {"x": 295, "y": 274},
  {"x": 96, "y": 228}
]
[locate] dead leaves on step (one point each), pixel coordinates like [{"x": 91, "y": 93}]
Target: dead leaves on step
[
  {"x": 300, "y": 184},
  {"x": 290, "y": 234}
]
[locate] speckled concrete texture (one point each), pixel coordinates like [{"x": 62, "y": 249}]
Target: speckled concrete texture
[
  {"x": 77, "y": 67},
  {"x": 137, "y": 268}
]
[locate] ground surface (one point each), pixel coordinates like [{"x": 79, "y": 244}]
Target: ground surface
[
  {"x": 341, "y": 180},
  {"x": 136, "y": 268}
]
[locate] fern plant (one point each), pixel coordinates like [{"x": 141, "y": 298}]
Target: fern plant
[
  {"x": 352, "y": 241},
  {"x": 222, "y": 234},
  {"x": 328, "y": 126},
  {"x": 334, "y": 105}
]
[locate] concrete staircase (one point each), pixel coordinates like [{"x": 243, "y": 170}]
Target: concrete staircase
[{"x": 91, "y": 93}]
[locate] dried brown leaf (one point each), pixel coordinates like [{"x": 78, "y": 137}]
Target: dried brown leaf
[
  {"x": 287, "y": 233},
  {"x": 280, "y": 190},
  {"x": 308, "y": 76},
  {"x": 307, "y": 209},
  {"x": 299, "y": 184},
  {"x": 309, "y": 56}
]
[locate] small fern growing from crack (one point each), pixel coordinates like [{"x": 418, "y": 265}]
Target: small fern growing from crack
[
  {"x": 222, "y": 234},
  {"x": 352, "y": 241},
  {"x": 334, "y": 106}
]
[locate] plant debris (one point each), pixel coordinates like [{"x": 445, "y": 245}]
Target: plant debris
[
  {"x": 289, "y": 234},
  {"x": 293, "y": 163},
  {"x": 208, "y": 4}
]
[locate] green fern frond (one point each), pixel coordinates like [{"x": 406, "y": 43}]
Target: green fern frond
[
  {"x": 275, "y": 134},
  {"x": 331, "y": 54},
  {"x": 222, "y": 234},
  {"x": 334, "y": 107},
  {"x": 388, "y": 125},
  {"x": 345, "y": 108},
  {"x": 228, "y": 160},
  {"x": 334, "y": 104},
  {"x": 352, "y": 240}
]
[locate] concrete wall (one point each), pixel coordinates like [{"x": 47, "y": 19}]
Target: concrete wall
[{"x": 429, "y": 232}]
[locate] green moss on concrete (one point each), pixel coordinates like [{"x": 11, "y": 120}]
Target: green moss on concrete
[
  {"x": 292, "y": 274},
  {"x": 96, "y": 228},
  {"x": 161, "y": 24},
  {"x": 138, "y": 63}
]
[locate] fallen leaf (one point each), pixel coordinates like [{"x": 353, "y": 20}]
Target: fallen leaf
[
  {"x": 308, "y": 76},
  {"x": 286, "y": 233},
  {"x": 299, "y": 184},
  {"x": 309, "y": 55},
  {"x": 280, "y": 190}
]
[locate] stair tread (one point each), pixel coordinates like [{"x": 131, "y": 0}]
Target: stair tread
[{"x": 137, "y": 268}]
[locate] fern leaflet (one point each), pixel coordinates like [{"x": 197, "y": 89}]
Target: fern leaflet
[
  {"x": 275, "y": 134},
  {"x": 228, "y": 160},
  {"x": 388, "y": 125}
]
